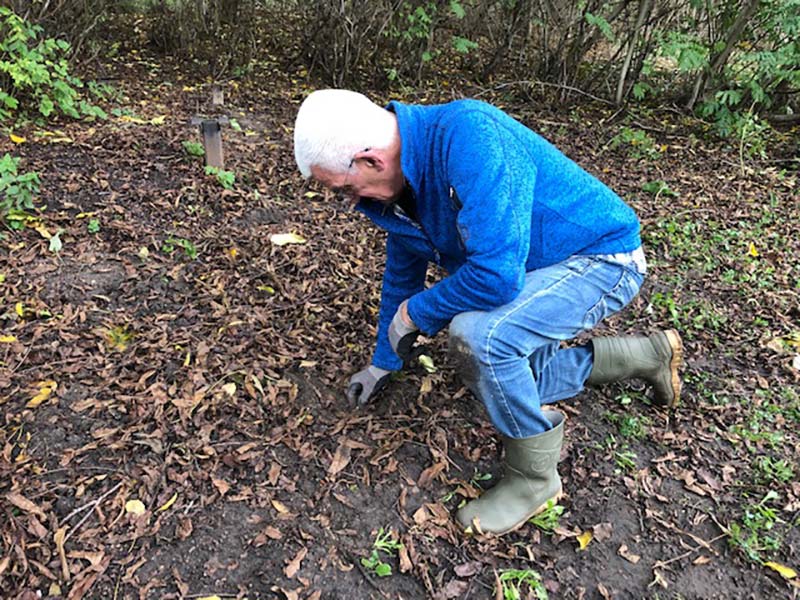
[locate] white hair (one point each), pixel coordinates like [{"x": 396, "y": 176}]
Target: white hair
[{"x": 332, "y": 126}]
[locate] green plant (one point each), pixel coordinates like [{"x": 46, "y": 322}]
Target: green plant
[
  {"x": 547, "y": 520},
  {"x": 630, "y": 426},
  {"x": 658, "y": 188},
  {"x": 225, "y": 178},
  {"x": 512, "y": 581},
  {"x": 34, "y": 71},
  {"x": 625, "y": 460},
  {"x": 93, "y": 226},
  {"x": 754, "y": 535},
  {"x": 16, "y": 190},
  {"x": 636, "y": 142},
  {"x": 770, "y": 470},
  {"x": 384, "y": 542},
  {"x": 193, "y": 148},
  {"x": 169, "y": 245}
]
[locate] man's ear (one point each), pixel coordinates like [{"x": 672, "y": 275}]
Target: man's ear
[{"x": 371, "y": 158}]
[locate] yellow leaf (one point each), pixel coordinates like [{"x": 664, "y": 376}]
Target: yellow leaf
[
  {"x": 169, "y": 502},
  {"x": 43, "y": 231},
  {"x": 584, "y": 539},
  {"x": 280, "y": 507},
  {"x": 46, "y": 388},
  {"x": 16, "y": 139},
  {"x": 7, "y": 339},
  {"x": 785, "y": 572},
  {"x": 214, "y": 597},
  {"x": 158, "y": 120},
  {"x": 281, "y": 239},
  {"x": 188, "y": 360},
  {"x": 233, "y": 252},
  {"x": 19, "y": 309},
  {"x": 134, "y": 507},
  {"x": 752, "y": 251},
  {"x": 229, "y": 388}
]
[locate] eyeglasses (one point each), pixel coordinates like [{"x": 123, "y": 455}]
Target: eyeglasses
[{"x": 346, "y": 191}]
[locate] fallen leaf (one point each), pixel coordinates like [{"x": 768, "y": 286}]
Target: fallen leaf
[
  {"x": 701, "y": 560},
  {"x": 221, "y": 485},
  {"x": 230, "y": 389},
  {"x": 279, "y": 506},
  {"x": 468, "y": 569},
  {"x": 752, "y": 250},
  {"x": 59, "y": 538},
  {"x": 628, "y": 555},
  {"x": 168, "y": 503},
  {"x": 46, "y": 388},
  {"x": 602, "y": 531},
  {"x": 454, "y": 589},
  {"x": 584, "y": 539},
  {"x": 281, "y": 239},
  {"x": 134, "y": 507},
  {"x": 7, "y": 339},
  {"x": 23, "y": 503},
  {"x": 17, "y": 139},
  {"x": 294, "y": 565},
  {"x": 783, "y": 570},
  {"x": 341, "y": 458}
]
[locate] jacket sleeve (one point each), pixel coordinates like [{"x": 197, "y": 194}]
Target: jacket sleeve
[
  {"x": 493, "y": 177},
  {"x": 403, "y": 276}
]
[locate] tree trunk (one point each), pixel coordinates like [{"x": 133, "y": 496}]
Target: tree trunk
[
  {"x": 716, "y": 65},
  {"x": 645, "y": 6}
]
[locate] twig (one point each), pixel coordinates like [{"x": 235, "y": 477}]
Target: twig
[
  {"x": 92, "y": 506},
  {"x": 663, "y": 563}
]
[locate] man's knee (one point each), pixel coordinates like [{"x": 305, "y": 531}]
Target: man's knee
[{"x": 463, "y": 347}]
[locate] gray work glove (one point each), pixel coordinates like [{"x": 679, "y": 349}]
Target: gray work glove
[
  {"x": 366, "y": 383},
  {"x": 402, "y": 332}
]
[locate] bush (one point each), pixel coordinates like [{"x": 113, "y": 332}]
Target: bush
[
  {"x": 16, "y": 189},
  {"x": 34, "y": 73}
]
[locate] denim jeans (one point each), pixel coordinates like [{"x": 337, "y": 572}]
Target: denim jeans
[{"x": 511, "y": 358}]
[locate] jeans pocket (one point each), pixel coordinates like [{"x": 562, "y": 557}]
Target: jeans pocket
[{"x": 614, "y": 300}]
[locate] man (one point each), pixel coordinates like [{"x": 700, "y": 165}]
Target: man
[{"x": 537, "y": 250}]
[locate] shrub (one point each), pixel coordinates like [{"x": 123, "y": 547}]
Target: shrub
[
  {"x": 16, "y": 189},
  {"x": 34, "y": 73}
]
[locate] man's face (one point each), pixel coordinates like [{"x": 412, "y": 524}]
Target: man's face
[{"x": 366, "y": 178}]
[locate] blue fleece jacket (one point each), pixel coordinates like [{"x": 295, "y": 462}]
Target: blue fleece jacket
[{"x": 493, "y": 200}]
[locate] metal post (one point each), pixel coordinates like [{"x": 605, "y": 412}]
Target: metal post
[{"x": 212, "y": 142}]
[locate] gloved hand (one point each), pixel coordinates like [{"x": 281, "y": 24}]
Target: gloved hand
[
  {"x": 366, "y": 383},
  {"x": 402, "y": 332}
]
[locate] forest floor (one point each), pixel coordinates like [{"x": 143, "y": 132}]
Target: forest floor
[{"x": 170, "y": 353}]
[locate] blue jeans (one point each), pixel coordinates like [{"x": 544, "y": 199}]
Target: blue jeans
[{"x": 511, "y": 358}]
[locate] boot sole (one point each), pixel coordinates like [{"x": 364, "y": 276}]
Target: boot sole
[
  {"x": 554, "y": 500},
  {"x": 676, "y": 343}
]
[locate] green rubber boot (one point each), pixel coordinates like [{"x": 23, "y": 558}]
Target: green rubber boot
[
  {"x": 530, "y": 480},
  {"x": 655, "y": 359}
]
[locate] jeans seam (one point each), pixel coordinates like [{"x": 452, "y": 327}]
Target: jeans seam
[{"x": 490, "y": 335}]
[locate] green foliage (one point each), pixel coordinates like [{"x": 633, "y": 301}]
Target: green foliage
[
  {"x": 636, "y": 142},
  {"x": 755, "y": 534},
  {"x": 193, "y": 148},
  {"x": 658, "y": 188},
  {"x": 630, "y": 426},
  {"x": 35, "y": 75},
  {"x": 189, "y": 249},
  {"x": 93, "y": 226},
  {"x": 513, "y": 580},
  {"x": 16, "y": 190},
  {"x": 384, "y": 542},
  {"x": 773, "y": 470},
  {"x": 226, "y": 179},
  {"x": 547, "y": 520}
]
